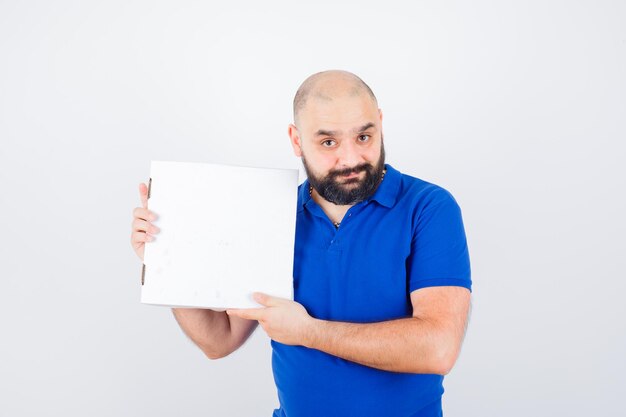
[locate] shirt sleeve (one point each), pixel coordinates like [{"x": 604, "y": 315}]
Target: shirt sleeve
[{"x": 439, "y": 254}]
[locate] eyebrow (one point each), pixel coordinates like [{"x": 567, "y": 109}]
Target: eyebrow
[{"x": 363, "y": 128}]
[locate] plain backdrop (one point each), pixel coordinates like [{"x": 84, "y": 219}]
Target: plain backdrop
[{"x": 516, "y": 107}]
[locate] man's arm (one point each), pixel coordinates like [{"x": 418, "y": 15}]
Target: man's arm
[
  {"x": 214, "y": 332},
  {"x": 427, "y": 342}
]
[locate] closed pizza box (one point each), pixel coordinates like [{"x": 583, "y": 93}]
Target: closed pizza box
[{"x": 225, "y": 232}]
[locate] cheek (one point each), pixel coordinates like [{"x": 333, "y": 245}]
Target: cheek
[
  {"x": 322, "y": 161},
  {"x": 373, "y": 153}
]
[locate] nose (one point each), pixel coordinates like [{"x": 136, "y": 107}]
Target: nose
[{"x": 348, "y": 155}]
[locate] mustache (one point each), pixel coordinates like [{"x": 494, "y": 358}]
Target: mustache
[{"x": 354, "y": 170}]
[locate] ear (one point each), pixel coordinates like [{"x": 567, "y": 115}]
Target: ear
[
  {"x": 380, "y": 113},
  {"x": 294, "y": 136}
]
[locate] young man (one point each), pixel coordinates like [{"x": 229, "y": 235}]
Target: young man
[{"x": 381, "y": 272}]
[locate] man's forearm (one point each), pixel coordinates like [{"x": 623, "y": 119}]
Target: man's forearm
[
  {"x": 403, "y": 345},
  {"x": 208, "y": 329}
]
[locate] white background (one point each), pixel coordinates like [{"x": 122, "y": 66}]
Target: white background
[{"x": 517, "y": 108}]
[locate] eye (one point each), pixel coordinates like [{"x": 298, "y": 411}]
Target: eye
[
  {"x": 364, "y": 138},
  {"x": 328, "y": 143}
]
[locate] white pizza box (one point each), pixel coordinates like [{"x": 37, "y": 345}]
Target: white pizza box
[{"x": 225, "y": 232}]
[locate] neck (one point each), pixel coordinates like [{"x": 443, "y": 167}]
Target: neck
[{"x": 334, "y": 211}]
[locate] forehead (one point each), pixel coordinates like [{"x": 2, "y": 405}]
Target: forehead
[{"x": 344, "y": 113}]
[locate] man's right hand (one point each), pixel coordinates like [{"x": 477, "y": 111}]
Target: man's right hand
[{"x": 142, "y": 229}]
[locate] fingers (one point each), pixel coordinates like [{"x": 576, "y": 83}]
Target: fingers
[
  {"x": 143, "y": 195},
  {"x": 247, "y": 313},
  {"x": 140, "y": 225},
  {"x": 137, "y": 238},
  {"x": 268, "y": 300},
  {"x": 142, "y": 229},
  {"x": 144, "y": 214}
]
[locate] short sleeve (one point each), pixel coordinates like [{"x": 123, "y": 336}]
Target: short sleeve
[{"x": 439, "y": 254}]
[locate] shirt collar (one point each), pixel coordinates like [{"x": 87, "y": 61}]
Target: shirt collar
[{"x": 386, "y": 193}]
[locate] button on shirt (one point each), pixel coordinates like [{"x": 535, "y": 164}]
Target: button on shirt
[{"x": 407, "y": 236}]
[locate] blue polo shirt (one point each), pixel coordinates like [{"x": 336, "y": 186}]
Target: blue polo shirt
[{"x": 407, "y": 236}]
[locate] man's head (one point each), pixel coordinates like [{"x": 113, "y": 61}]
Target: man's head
[{"x": 337, "y": 132}]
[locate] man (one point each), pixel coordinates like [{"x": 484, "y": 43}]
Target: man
[{"x": 381, "y": 272}]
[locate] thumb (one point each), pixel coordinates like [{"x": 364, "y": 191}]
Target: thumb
[
  {"x": 267, "y": 300},
  {"x": 143, "y": 194}
]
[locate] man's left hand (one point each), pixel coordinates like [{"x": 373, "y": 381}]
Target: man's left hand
[{"x": 283, "y": 320}]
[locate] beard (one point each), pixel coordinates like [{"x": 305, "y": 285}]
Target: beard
[{"x": 345, "y": 193}]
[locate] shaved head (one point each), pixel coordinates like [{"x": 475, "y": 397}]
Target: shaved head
[{"x": 327, "y": 85}]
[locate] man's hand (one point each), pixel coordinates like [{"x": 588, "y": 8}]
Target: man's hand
[
  {"x": 283, "y": 320},
  {"x": 142, "y": 230}
]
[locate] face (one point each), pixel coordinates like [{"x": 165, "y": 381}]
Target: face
[
  {"x": 347, "y": 186},
  {"x": 340, "y": 142}
]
